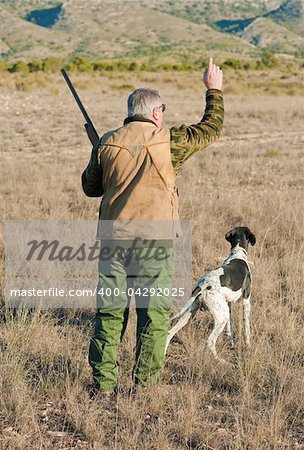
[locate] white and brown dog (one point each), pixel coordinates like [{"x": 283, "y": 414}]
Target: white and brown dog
[{"x": 221, "y": 287}]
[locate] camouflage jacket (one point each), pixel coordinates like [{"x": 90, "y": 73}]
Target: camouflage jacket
[{"x": 185, "y": 141}]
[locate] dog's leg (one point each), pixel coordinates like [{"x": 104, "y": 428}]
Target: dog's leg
[
  {"x": 246, "y": 311},
  {"x": 229, "y": 328},
  {"x": 220, "y": 311}
]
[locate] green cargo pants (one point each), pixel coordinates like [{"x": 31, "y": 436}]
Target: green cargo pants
[{"x": 145, "y": 272}]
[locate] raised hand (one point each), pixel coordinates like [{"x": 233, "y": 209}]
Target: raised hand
[{"x": 213, "y": 76}]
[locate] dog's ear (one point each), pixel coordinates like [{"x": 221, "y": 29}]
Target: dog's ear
[
  {"x": 250, "y": 236},
  {"x": 229, "y": 235}
]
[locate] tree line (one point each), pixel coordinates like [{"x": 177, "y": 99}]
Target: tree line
[{"x": 86, "y": 65}]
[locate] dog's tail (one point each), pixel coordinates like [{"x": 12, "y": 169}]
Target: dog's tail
[
  {"x": 189, "y": 305},
  {"x": 189, "y": 310}
]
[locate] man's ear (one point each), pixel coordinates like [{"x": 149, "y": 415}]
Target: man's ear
[
  {"x": 156, "y": 113},
  {"x": 229, "y": 235},
  {"x": 250, "y": 236}
]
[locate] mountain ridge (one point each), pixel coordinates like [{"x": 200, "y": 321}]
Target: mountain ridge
[
  {"x": 290, "y": 14},
  {"x": 148, "y": 28}
]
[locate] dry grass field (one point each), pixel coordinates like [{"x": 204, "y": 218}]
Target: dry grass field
[{"x": 253, "y": 175}]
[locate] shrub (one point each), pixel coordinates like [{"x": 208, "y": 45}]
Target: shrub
[
  {"x": 133, "y": 66},
  {"x": 164, "y": 67},
  {"x": 123, "y": 87},
  {"x": 35, "y": 66},
  {"x": 269, "y": 60},
  {"x": 51, "y": 64},
  {"x": 145, "y": 67},
  {"x": 272, "y": 152},
  {"x": 3, "y": 66},
  {"x": 299, "y": 53},
  {"x": 83, "y": 64},
  {"x": 19, "y": 66},
  {"x": 98, "y": 66},
  {"x": 70, "y": 67},
  {"x": 233, "y": 63}
]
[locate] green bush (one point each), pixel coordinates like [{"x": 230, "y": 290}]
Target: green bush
[
  {"x": 233, "y": 63},
  {"x": 35, "y": 66},
  {"x": 238, "y": 64},
  {"x": 19, "y": 66},
  {"x": 249, "y": 65},
  {"x": 98, "y": 66},
  {"x": 110, "y": 67},
  {"x": 133, "y": 66},
  {"x": 4, "y": 66},
  {"x": 119, "y": 65},
  {"x": 164, "y": 67},
  {"x": 83, "y": 64},
  {"x": 123, "y": 87},
  {"x": 51, "y": 64},
  {"x": 269, "y": 60},
  {"x": 103, "y": 66},
  {"x": 300, "y": 53}
]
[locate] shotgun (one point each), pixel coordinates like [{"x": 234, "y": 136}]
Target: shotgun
[{"x": 89, "y": 127}]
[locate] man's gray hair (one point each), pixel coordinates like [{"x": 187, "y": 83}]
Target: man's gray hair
[{"x": 142, "y": 102}]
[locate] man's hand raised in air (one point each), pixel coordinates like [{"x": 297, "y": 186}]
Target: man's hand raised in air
[{"x": 213, "y": 76}]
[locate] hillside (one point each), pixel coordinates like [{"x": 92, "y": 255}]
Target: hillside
[
  {"x": 126, "y": 28},
  {"x": 3, "y": 47},
  {"x": 21, "y": 7},
  {"x": 23, "y": 38},
  {"x": 149, "y": 29},
  {"x": 290, "y": 14},
  {"x": 210, "y": 11},
  {"x": 280, "y": 29},
  {"x": 235, "y": 17},
  {"x": 103, "y": 30},
  {"x": 264, "y": 33}
]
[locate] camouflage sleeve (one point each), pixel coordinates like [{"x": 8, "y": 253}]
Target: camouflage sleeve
[
  {"x": 91, "y": 177},
  {"x": 186, "y": 140}
]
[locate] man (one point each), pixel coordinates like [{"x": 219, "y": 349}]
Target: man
[{"x": 134, "y": 168}]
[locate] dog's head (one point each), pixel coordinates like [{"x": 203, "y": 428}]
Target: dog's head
[{"x": 240, "y": 235}]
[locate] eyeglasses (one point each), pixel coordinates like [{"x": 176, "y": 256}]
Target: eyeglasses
[{"x": 163, "y": 107}]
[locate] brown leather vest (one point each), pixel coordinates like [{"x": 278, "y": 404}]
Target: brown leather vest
[{"x": 139, "y": 183}]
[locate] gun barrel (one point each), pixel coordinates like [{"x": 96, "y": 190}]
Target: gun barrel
[{"x": 79, "y": 102}]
